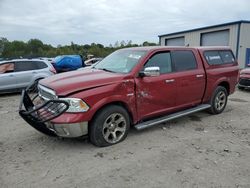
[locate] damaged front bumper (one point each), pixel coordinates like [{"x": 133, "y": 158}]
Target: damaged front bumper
[{"x": 40, "y": 114}]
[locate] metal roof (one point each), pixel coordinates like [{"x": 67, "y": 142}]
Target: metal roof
[{"x": 208, "y": 27}]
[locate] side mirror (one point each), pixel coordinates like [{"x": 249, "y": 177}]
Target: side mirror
[{"x": 150, "y": 71}]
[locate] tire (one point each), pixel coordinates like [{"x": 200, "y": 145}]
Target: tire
[
  {"x": 240, "y": 88},
  {"x": 219, "y": 100},
  {"x": 109, "y": 126}
]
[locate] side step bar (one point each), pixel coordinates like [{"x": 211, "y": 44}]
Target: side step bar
[{"x": 153, "y": 122}]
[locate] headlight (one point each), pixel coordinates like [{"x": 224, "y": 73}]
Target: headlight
[{"x": 76, "y": 105}]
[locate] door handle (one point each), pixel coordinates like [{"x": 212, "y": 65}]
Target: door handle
[
  {"x": 11, "y": 75},
  {"x": 170, "y": 80},
  {"x": 34, "y": 72},
  {"x": 199, "y": 75}
]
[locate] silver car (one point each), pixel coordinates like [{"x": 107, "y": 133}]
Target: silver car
[{"x": 18, "y": 74}]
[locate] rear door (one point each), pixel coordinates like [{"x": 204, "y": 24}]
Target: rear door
[
  {"x": 7, "y": 77},
  {"x": 156, "y": 95},
  {"x": 191, "y": 80},
  {"x": 25, "y": 71}
]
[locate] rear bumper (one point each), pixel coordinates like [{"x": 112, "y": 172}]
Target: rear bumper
[{"x": 40, "y": 117}]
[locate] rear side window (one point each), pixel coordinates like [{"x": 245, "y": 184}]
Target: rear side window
[
  {"x": 183, "y": 60},
  {"x": 162, "y": 60},
  {"x": 227, "y": 56},
  {"x": 219, "y": 57},
  {"x": 40, "y": 65},
  {"x": 29, "y": 65}
]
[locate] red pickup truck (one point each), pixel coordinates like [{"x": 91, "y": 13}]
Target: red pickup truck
[{"x": 138, "y": 87}]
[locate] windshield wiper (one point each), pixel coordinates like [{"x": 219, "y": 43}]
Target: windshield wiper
[{"x": 107, "y": 70}]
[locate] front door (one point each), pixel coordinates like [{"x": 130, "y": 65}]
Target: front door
[
  {"x": 8, "y": 80},
  {"x": 156, "y": 95}
]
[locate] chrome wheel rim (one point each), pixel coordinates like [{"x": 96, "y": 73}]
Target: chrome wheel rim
[
  {"x": 220, "y": 100},
  {"x": 114, "y": 128}
]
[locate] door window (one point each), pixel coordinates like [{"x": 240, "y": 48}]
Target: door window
[
  {"x": 161, "y": 60},
  {"x": 25, "y": 66},
  {"x": 6, "y": 68},
  {"x": 183, "y": 60}
]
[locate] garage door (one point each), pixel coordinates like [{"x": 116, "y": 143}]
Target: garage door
[
  {"x": 218, "y": 38},
  {"x": 179, "y": 41}
]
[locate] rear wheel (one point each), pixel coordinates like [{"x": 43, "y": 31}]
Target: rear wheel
[
  {"x": 110, "y": 126},
  {"x": 219, "y": 100}
]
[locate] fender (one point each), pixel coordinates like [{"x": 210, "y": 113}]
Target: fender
[
  {"x": 211, "y": 86},
  {"x": 130, "y": 105}
]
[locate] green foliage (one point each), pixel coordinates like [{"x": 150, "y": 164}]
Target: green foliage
[{"x": 36, "y": 48}]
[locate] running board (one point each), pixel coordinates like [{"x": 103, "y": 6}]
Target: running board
[{"x": 153, "y": 122}]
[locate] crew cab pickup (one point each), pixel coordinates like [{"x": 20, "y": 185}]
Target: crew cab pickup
[{"x": 139, "y": 87}]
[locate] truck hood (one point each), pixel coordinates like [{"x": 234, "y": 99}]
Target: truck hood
[{"x": 66, "y": 83}]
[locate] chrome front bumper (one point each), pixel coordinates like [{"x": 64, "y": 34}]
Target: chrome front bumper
[{"x": 70, "y": 130}]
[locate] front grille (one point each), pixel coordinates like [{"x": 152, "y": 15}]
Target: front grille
[
  {"x": 244, "y": 82},
  {"x": 46, "y": 93}
]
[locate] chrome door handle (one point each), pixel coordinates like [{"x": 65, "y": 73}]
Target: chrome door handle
[
  {"x": 199, "y": 75},
  {"x": 169, "y": 81}
]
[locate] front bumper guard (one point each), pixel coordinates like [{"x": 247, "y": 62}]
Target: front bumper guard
[{"x": 38, "y": 115}]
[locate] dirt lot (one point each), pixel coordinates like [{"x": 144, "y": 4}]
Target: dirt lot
[{"x": 200, "y": 150}]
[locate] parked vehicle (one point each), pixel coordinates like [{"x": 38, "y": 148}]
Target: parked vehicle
[
  {"x": 92, "y": 61},
  {"x": 138, "y": 87},
  {"x": 88, "y": 67},
  {"x": 66, "y": 63},
  {"x": 17, "y": 74},
  {"x": 244, "y": 82}
]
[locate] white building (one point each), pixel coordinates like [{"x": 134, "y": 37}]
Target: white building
[{"x": 234, "y": 34}]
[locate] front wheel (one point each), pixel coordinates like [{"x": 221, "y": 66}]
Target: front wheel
[
  {"x": 110, "y": 126},
  {"x": 219, "y": 100}
]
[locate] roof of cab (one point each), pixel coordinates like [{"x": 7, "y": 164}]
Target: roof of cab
[
  {"x": 152, "y": 48},
  {"x": 16, "y": 60}
]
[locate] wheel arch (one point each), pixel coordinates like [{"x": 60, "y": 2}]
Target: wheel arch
[
  {"x": 226, "y": 85},
  {"x": 117, "y": 103}
]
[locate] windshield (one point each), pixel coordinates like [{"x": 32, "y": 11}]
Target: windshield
[{"x": 121, "y": 61}]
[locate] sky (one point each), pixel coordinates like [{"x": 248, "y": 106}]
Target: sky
[{"x": 107, "y": 21}]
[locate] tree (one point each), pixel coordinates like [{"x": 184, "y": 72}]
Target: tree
[
  {"x": 146, "y": 43},
  {"x": 3, "y": 42},
  {"x": 33, "y": 46},
  {"x": 36, "y": 48}
]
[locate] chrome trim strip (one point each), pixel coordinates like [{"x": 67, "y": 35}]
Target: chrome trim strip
[
  {"x": 243, "y": 86},
  {"x": 47, "y": 90}
]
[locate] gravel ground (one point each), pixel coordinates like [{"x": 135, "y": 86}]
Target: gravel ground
[{"x": 200, "y": 150}]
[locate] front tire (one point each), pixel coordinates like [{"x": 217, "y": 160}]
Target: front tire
[
  {"x": 219, "y": 100},
  {"x": 109, "y": 126}
]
